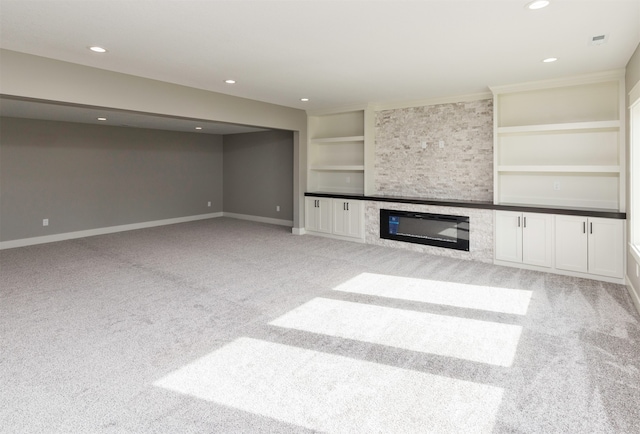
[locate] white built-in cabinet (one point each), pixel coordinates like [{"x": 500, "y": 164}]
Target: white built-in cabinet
[
  {"x": 561, "y": 143},
  {"x": 589, "y": 245},
  {"x": 524, "y": 238},
  {"x": 340, "y": 151},
  {"x": 339, "y": 218}
]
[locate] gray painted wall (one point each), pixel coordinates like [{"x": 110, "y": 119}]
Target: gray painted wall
[
  {"x": 258, "y": 174},
  {"x": 37, "y": 77},
  {"x": 83, "y": 176}
]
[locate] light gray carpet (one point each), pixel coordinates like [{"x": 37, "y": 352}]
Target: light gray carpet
[{"x": 230, "y": 326}]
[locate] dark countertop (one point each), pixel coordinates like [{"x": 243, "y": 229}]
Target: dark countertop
[{"x": 587, "y": 212}]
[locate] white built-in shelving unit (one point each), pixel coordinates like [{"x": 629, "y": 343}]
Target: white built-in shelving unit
[
  {"x": 561, "y": 143},
  {"x": 339, "y": 152}
]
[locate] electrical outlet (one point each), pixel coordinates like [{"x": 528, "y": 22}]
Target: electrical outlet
[
  {"x": 45, "y": 222},
  {"x": 556, "y": 185},
  {"x": 441, "y": 144},
  {"x": 278, "y": 208},
  {"x": 208, "y": 203},
  {"x": 423, "y": 144},
  {"x": 348, "y": 180}
]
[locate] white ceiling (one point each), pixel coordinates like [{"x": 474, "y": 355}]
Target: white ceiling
[{"x": 337, "y": 53}]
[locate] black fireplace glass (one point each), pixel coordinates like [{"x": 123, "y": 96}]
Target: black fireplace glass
[{"x": 438, "y": 230}]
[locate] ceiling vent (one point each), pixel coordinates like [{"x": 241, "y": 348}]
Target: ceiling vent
[{"x": 598, "y": 39}]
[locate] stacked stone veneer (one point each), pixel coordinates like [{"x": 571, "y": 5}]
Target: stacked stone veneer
[
  {"x": 462, "y": 169},
  {"x": 480, "y": 230}
]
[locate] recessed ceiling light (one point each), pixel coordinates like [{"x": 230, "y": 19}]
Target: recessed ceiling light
[
  {"x": 550, "y": 59},
  {"x": 97, "y": 49},
  {"x": 102, "y": 119},
  {"x": 230, "y": 81},
  {"x": 304, "y": 99},
  {"x": 537, "y": 4},
  {"x": 198, "y": 128}
]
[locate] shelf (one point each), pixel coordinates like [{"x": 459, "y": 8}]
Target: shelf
[
  {"x": 597, "y": 125},
  {"x": 561, "y": 143},
  {"x": 339, "y": 167},
  {"x": 340, "y": 152},
  {"x": 578, "y": 100},
  {"x": 339, "y": 139},
  {"x": 561, "y": 169}
]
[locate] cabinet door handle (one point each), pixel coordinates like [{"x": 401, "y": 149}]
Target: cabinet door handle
[
  {"x": 317, "y": 203},
  {"x": 584, "y": 227},
  {"x": 344, "y": 206},
  {"x": 590, "y": 228},
  {"x": 347, "y": 203},
  {"x": 518, "y": 221},
  {"x": 524, "y": 219}
]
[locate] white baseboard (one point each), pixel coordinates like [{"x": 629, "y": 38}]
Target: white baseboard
[
  {"x": 102, "y": 231},
  {"x": 122, "y": 228},
  {"x": 336, "y": 237},
  {"x": 259, "y": 219},
  {"x": 619, "y": 281},
  {"x": 635, "y": 295}
]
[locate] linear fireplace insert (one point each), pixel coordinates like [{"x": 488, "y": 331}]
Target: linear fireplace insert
[{"x": 448, "y": 231}]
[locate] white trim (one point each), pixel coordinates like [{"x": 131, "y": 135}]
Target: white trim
[
  {"x": 552, "y": 270},
  {"x": 616, "y": 74},
  {"x": 336, "y": 237},
  {"x": 633, "y": 249},
  {"x": 633, "y": 177},
  {"x": 102, "y": 231},
  {"x": 634, "y": 293},
  {"x": 337, "y": 110},
  {"x": 634, "y": 94},
  {"x": 259, "y": 219},
  {"x": 298, "y": 231},
  {"x": 433, "y": 101}
]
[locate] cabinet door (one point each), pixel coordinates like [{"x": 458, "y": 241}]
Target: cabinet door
[
  {"x": 606, "y": 246},
  {"x": 537, "y": 238},
  {"x": 347, "y": 219},
  {"x": 339, "y": 210},
  {"x": 310, "y": 213},
  {"x": 324, "y": 215},
  {"x": 571, "y": 243},
  {"x": 355, "y": 216},
  {"x": 318, "y": 214},
  {"x": 508, "y": 236}
]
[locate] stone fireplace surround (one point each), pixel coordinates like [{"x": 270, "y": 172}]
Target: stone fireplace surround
[{"x": 480, "y": 230}]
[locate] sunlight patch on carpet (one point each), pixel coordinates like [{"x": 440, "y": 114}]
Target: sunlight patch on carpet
[
  {"x": 489, "y": 298},
  {"x": 331, "y": 393},
  {"x": 469, "y": 339}
]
